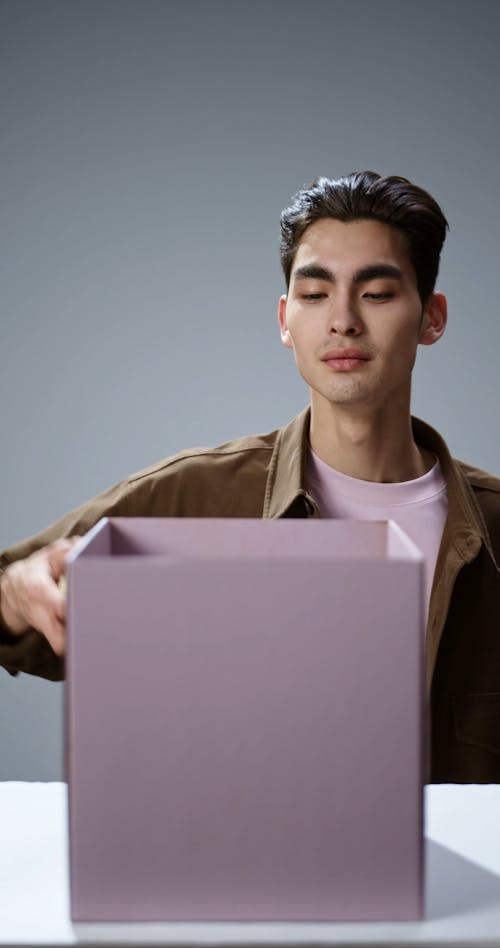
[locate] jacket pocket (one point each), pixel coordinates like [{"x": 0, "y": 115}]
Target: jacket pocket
[{"x": 477, "y": 720}]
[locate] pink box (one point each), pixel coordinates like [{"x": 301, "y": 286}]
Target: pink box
[{"x": 244, "y": 721}]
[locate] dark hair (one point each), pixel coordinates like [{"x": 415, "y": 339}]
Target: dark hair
[{"x": 368, "y": 195}]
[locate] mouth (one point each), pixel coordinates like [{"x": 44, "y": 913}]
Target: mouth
[{"x": 345, "y": 359}]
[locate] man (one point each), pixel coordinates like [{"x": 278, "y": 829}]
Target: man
[{"x": 360, "y": 257}]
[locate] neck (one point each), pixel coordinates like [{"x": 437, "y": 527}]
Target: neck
[{"x": 375, "y": 445}]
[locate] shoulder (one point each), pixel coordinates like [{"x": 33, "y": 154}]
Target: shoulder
[
  {"x": 228, "y": 480},
  {"x": 480, "y": 480},
  {"x": 476, "y": 493},
  {"x": 485, "y": 488},
  {"x": 229, "y": 453}
]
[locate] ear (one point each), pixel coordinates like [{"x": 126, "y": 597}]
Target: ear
[
  {"x": 284, "y": 331},
  {"x": 434, "y": 320}
]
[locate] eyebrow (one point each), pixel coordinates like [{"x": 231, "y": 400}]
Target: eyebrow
[
  {"x": 313, "y": 272},
  {"x": 374, "y": 271}
]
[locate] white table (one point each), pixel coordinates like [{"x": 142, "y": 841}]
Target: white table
[{"x": 462, "y": 882}]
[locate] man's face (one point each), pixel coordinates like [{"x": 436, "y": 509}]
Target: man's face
[{"x": 353, "y": 315}]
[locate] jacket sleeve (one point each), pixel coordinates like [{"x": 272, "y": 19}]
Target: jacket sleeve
[
  {"x": 228, "y": 481},
  {"x": 31, "y": 652}
]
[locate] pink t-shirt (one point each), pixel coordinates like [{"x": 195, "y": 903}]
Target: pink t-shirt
[{"x": 418, "y": 506}]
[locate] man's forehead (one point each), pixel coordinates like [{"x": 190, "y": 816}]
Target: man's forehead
[{"x": 351, "y": 244}]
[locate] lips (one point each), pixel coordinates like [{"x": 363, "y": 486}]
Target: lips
[
  {"x": 345, "y": 359},
  {"x": 334, "y": 355}
]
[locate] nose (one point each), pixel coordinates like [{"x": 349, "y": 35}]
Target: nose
[{"x": 343, "y": 319}]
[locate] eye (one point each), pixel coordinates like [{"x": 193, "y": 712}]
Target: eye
[
  {"x": 378, "y": 296},
  {"x": 314, "y": 296}
]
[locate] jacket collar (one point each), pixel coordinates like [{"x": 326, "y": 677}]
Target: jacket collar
[
  {"x": 286, "y": 484},
  {"x": 465, "y": 523}
]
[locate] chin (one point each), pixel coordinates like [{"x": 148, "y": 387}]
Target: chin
[{"x": 350, "y": 395}]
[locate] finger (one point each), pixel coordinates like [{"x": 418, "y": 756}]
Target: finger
[
  {"x": 60, "y": 609},
  {"x": 40, "y": 596},
  {"x": 56, "y": 636},
  {"x": 50, "y": 617},
  {"x": 57, "y": 555},
  {"x": 70, "y": 542},
  {"x": 54, "y": 631},
  {"x": 62, "y": 586},
  {"x": 50, "y": 622},
  {"x": 11, "y": 613}
]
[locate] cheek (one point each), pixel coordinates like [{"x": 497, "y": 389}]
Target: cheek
[
  {"x": 403, "y": 333},
  {"x": 302, "y": 332},
  {"x": 404, "y": 344},
  {"x": 302, "y": 347}
]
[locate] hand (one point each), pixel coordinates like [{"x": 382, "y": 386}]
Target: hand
[{"x": 31, "y": 597}]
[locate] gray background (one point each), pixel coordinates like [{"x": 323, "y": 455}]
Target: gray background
[{"x": 147, "y": 148}]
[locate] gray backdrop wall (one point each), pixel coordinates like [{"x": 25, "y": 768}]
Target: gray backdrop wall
[{"x": 147, "y": 148}]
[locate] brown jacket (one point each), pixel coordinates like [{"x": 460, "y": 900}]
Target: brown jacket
[{"x": 263, "y": 476}]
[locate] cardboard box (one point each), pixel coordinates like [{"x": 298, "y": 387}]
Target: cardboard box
[{"x": 244, "y": 721}]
